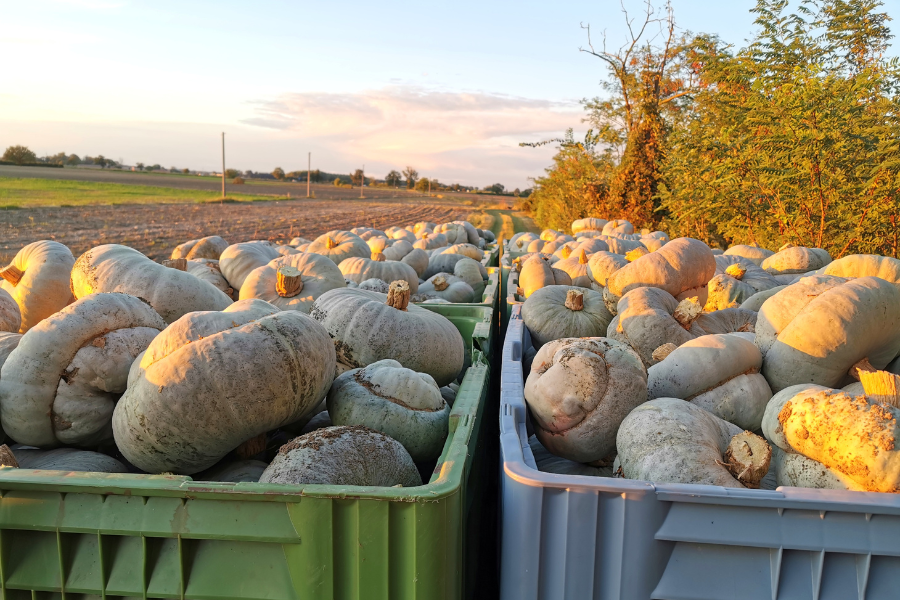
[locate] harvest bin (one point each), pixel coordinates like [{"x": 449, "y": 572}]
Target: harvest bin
[
  {"x": 78, "y": 535},
  {"x": 577, "y": 537}
]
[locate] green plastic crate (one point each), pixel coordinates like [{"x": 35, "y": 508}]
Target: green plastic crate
[{"x": 89, "y": 535}]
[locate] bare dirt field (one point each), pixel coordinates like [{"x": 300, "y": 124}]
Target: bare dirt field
[{"x": 155, "y": 229}]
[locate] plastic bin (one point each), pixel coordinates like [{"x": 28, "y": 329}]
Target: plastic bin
[
  {"x": 79, "y": 535},
  {"x": 576, "y": 537}
]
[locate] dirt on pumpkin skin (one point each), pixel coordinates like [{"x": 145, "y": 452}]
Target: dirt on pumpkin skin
[
  {"x": 155, "y": 229},
  {"x": 315, "y": 439}
]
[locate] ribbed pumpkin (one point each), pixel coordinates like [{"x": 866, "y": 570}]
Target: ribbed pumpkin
[
  {"x": 359, "y": 269},
  {"x": 339, "y": 245},
  {"x": 38, "y": 280},
  {"x": 293, "y": 282}
]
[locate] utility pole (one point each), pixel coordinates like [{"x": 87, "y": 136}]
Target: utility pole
[
  {"x": 223, "y": 165},
  {"x": 429, "y": 187},
  {"x": 308, "y": 172},
  {"x": 362, "y": 182}
]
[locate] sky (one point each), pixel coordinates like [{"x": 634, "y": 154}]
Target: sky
[{"x": 450, "y": 88}]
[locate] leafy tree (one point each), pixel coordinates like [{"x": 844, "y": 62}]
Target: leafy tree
[
  {"x": 315, "y": 176},
  {"x": 73, "y": 159},
  {"x": 102, "y": 161},
  {"x": 19, "y": 155},
  {"x": 186, "y": 171},
  {"x": 795, "y": 138},
  {"x": 393, "y": 178},
  {"x": 278, "y": 173},
  {"x": 173, "y": 170},
  {"x": 423, "y": 185},
  {"x": 337, "y": 182},
  {"x": 517, "y": 193},
  {"x": 496, "y": 188},
  {"x": 357, "y": 177},
  {"x": 154, "y": 168},
  {"x": 232, "y": 173},
  {"x": 56, "y": 159},
  {"x": 411, "y": 176},
  {"x": 139, "y": 166}
]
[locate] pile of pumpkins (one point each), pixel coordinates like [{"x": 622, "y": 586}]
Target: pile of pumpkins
[
  {"x": 300, "y": 363},
  {"x": 669, "y": 361}
]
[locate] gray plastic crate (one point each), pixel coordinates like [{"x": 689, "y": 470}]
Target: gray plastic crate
[{"x": 574, "y": 537}]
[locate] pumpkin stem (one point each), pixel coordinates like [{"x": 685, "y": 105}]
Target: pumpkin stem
[
  {"x": 566, "y": 252},
  {"x": 252, "y": 447},
  {"x": 287, "y": 281},
  {"x": 686, "y": 311},
  {"x": 12, "y": 274},
  {"x": 440, "y": 283},
  {"x": 575, "y": 300},
  {"x": 582, "y": 257},
  {"x": 786, "y": 246},
  {"x": 747, "y": 458},
  {"x": 880, "y": 386},
  {"x": 663, "y": 351},
  {"x": 398, "y": 294},
  {"x": 736, "y": 271},
  {"x": 378, "y": 257},
  {"x": 635, "y": 254},
  {"x": 7, "y": 458},
  {"x": 863, "y": 366},
  {"x": 179, "y": 264},
  {"x": 330, "y": 243}
]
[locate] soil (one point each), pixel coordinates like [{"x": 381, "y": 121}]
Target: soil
[{"x": 155, "y": 229}]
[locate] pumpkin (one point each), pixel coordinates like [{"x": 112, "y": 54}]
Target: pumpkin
[
  {"x": 208, "y": 247},
  {"x": 378, "y": 244},
  {"x": 560, "y": 311},
  {"x": 375, "y": 285},
  {"x": 548, "y": 462},
  {"x": 650, "y": 317},
  {"x": 864, "y": 265},
  {"x": 430, "y": 241},
  {"x": 424, "y": 226},
  {"x": 298, "y": 241},
  {"x": 60, "y": 385},
  {"x": 367, "y": 327},
  {"x": 442, "y": 263},
  {"x": 10, "y": 314},
  {"x": 418, "y": 260},
  {"x": 343, "y": 456},
  {"x": 293, "y": 282},
  {"x": 473, "y": 273},
  {"x": 719, "y": 373},
  {"x": 622, "y": 246},
  {"x": 754, "y": 254},
  {"x": 796, "y": 259},
  {"x": 207, "y": 269},
  {"x": 537, "y": 273},
  {"x": 238, "y": 260},
  {"x": 213, "y": 380},
  {"x": 359, "y": 269},
  {"x": 398, "y": 402},
  {"x": 521, "y": 260},
  {"x": 403, "y": 235},
  {"x": 397, "y": 250},
  {"x": 67, "y": 459},
  {"x": 455, "y": 233},
  {"x": 796, "y": 470},
  {"x": 468, "y": 250},
  {"x": 617, "y": 226},
  {"x": 816, "y": 329},
  {"x": 756, "y": 301},
  {"x": 448, "y": 287},
  {"x": 578, "y": 391},
  {"x": 736, "y": 279},
  {"x": 548, "y": 235},
  {"x": 368, "y": 232},
  {"x": 853, "y": 435},
  {"x": 670, "y": 440},
  {"x": 576, "y": 266},
  {"x": 603, "y": 264},
  {"x": 678, "y": 266},
  {"x": 588, "y": 223},
  {"x": 234, "y": 471},
  {"x": 8, "y": 343},
  {"x": 339, "y": 246},
  {"x": 171, "y": 292},
  {"x": 589, "y": 245},
  {"x": 520, "y": 241},
  {"x": 38, "y": 280}
]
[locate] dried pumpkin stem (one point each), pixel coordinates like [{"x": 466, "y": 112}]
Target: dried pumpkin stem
[
  {"x": 252, "y": 447},
  {"x": 863, "y": 366},
  {"x": 575, "y": 300},
  {"x": 398, "y": 295},
  {"x": 566, "y": 252},
  {"x": 330, "y": 243},
  {"x": 7, "y": 458},
  {"x": 179, "y": 264},
  {"x": 288, "y": 282},
  {"x": 440, "y": 283},
  {"x": 663, "y": 351},
  {"x": 378, "y": 257},
  {"x": 736, "y": 271},
  {"x": 687, "y": 311},
  {"x": 881, "y": 386},
  {"x": 12, "y": 274},
  {"x": 747, "y": 458},
  {"x": 582, "y": 257}
]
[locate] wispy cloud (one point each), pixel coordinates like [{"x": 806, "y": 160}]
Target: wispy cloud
[{"x": 460, "y": 135}]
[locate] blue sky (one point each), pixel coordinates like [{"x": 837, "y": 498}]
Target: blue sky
[{"x": 448, "y": 87}]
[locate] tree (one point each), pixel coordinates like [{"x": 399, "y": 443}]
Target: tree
[
  {"x": 517, "y": 193},
  {"x": 73, "y": 159},
  {"x": 357, "y": 177},
  {"x": 423, "y": 185},
  {"x": 173, "y": 169},
  {"x": 496, "y": 188},
  {"x": 315, "y": 176},
  {"x": 232, "y": 173},
  {"x": 56, "y": 159},
  {"x": 278, "y": 173},
  {"x": 139, "y": 166},
  {"x": 337, "y": 182},
  {"x": 154, "y": 168},
  {"x": 393, "y": 178},
  {"x": 411, "y": 176},
  {"x": 186, "y": 171},
  {"x": 19, "y": 155},
  {"x": 795, "y": 138}
]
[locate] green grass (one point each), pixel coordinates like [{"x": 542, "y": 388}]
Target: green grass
[{"x": 22, "y": 193}]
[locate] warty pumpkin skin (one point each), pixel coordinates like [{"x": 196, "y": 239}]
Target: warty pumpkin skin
[
  {"x": 752, "y": 253},
  {"x": 343, "y": 456},
  {"x": 38, "y": 280},
  {"x": 59, "y": 386},
  {"x": 796, "y": 260},
  {"x": 366, "y": 329},
  {"x": 213, "y": 380},
  {"x": 393, "y": 400},
  {"x": 646, "y": 321},
  {"x": 208, "y": 247},
  {"x": 339, "y": 245},
  {"x": 678, "y": 266},
  {"x": 10, "y": 315},
  {"x": 172, "y": 293},
  {"x": 864, "y": 265},
  {"x": 238, "y": 260},
  {"x": 719, "y": 373},
  {"x": 814, "y": 330},
  {"x": 359, "y": 269},
  {"x": 317, "y": 275},
  {"x": 852, "y": 435},
  {"x": 578, "y": 391},
  {"x": 553, "y": 313}
]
